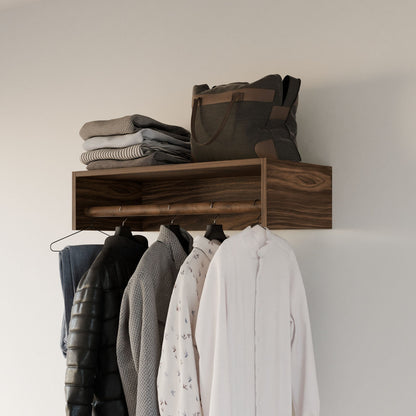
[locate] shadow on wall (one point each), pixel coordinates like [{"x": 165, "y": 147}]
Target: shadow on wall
[{"x": 364, "y": 130}]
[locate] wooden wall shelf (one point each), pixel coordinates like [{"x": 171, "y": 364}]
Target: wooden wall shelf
[{"x": 286, "y": 195}]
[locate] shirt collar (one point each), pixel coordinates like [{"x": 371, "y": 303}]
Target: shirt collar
[
  {"x": 258, "y": 239},
  {"x": 208, "y": 247},
  {"x": 169, "y": 239}
]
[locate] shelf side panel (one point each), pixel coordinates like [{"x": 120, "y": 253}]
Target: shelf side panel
[{"x": 299, "y": 196}]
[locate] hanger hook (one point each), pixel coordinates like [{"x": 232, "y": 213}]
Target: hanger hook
[
  {"x": 172, "y": 220},
  {"x": 215, "y": 219},
  {"x": 124, "y": 221},
  {"x": 89, "y": 227},
  {"x": 63, "y": 238}
]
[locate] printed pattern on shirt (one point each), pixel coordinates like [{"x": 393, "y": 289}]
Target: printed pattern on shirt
[{"x": 178, "y": 390}]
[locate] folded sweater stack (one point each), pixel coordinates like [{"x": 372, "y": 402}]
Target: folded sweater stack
[{"x": 134, "y": 140}]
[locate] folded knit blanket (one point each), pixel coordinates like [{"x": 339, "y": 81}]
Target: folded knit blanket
[
  {"x": 127, "y": 125},
  {"x": 156, "y": 158},
  {"x": 133, "y": 152},
  {"x": 124, "y": 140}
]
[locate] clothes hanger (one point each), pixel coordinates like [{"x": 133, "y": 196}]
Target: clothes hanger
[
  {"x": 69, "y": 235},
  {"x": 124, "y": 231},
  {"x": 215, "y": 231},
  {"x": 176, "y": 229},
  {"x": 257, "y": 222}
]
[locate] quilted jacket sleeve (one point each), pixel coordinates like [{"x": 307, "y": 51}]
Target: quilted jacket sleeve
[
  {"x": 83, "y": 342},
  {"x": 305, "y": 395}
]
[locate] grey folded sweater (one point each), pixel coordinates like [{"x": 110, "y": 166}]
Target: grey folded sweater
[{"x": 127, "y": 125}]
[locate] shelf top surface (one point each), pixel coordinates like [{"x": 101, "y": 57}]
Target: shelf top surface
[
  {"x": 245, "y": 166},
  {"x": 241, "y": 167}
]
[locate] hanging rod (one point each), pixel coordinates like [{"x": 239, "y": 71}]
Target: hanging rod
[{"x": 197, "y": 208}]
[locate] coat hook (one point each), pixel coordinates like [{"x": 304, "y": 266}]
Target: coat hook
[{"x": 173, "y": 218}]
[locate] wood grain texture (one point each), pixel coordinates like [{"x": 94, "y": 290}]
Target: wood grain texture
[
  {"x": 299, "y": 196},
  {"x": 97, "y": 191},
  {"x": 246, "y": 188},
  {"x": 191, "y": 208},
  {"x": 292, "y": 195},
  {"x": 185, "y": 170}
]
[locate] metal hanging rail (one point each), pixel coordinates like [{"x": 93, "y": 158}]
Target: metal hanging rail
[{"x": 197, "y": 208}]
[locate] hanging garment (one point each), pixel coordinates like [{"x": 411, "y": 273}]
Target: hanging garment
[
  {"x": 177, "y": 381},
  {"x": 253, "y": 333},
  {"x": 92, "y": 382},
  {"x": 74, "y": 261},
  {"x": 142, "y": 320}
]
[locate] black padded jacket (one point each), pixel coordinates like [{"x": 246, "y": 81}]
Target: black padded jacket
[{"x": 92, "y": 381}]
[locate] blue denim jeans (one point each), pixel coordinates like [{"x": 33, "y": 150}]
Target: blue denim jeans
[{"x": 74, "y": 262}]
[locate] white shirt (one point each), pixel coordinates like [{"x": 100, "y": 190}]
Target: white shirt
[
  {"x": 177, "y": 381},
  {"x": 253, "y": 333}
]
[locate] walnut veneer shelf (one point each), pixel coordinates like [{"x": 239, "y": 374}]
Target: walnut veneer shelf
[{"x": 286, "y": 195}]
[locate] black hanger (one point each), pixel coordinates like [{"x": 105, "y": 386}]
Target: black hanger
[
  {"x": 215, "y": 231},
  {"x": 124, "y": 231},
  {"x": 69, "y": 235},
  {"x": 258, "y": 219},
  {"x": 176, "y": 229}
]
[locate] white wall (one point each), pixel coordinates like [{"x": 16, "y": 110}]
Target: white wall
[{"x": 64, "y": 63}]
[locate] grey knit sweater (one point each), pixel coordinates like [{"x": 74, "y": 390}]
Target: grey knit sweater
[{"x": 142, "y": 321}]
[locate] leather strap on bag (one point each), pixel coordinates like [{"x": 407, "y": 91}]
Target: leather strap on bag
[
  {"x": 249, "y": 94},
  {"x": 237, "y": 96},
  {"x": 244, "y": 94}
]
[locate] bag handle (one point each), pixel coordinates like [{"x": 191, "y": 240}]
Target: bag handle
[{"x": 237, "y": 96}]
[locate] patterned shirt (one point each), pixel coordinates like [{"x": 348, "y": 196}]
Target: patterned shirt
[{"x": 177, "y": 382}]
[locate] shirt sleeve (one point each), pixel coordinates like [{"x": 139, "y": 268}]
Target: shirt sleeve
[
  {"x": 305, "y": 395},
  {"x": 148, "y": 355},
  {"x": 83, "y": 342},
  {"x": 177, "y": 383},
  {"x": 128, "y": 342},
  {"x": 212, "y": 340},
  {"x": 138, "y": 346}
]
